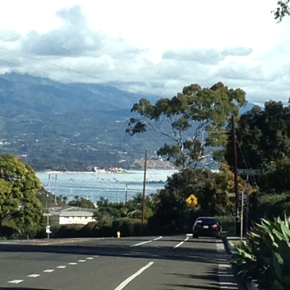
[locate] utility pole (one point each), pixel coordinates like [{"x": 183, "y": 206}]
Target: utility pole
[
  {"x": 247, "y": 207},
  {"x": 144, "y": 187},
  {"x": 236, "y": 177}
]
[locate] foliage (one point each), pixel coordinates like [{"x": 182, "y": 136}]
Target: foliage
[
  {"x": 127, "y": 227},
  {"x": 264, "y": 138},
  {"x": 192, "y": 121},
  {"x": 282, "y": 10},
  {"x": 173, "y": 215},
  {"x": 81, "y": 202},
  {"x": 270, "y": 206},
  {"x": 18, "y": 188},
  {"x": 132, "y": 209},
  {"x": 276, "y": 175},
  {"x": 263, "y": 134},
  {"x": 265, "y": 256}
]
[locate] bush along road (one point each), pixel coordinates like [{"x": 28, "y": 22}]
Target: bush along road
[{"x": 265, "y": 256}]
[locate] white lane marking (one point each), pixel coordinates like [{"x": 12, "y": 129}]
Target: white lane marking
[
  {"x": 220, "y": 247},
  {"x": 227, "y": 279},
  {"x": 33, "y": 275},
  {"x": 178, "y": 245},
  {"x": 132, "y": 277},
  {"x": 48, "y": 270},
  {"x": 81, "y": 261},
  {"x": 90, "y": 258},
  {"x": 15, "y": 281},
  {"x": 146, "y": 242},
  {"x": 72, "y": 263},
  {"x": 61, "y": 267},
  {"x": 158, "y": 238}
]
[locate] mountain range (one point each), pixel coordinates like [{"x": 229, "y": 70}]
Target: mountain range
[{"x": 54, "y": 125}]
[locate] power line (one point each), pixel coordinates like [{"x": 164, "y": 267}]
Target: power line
[{"x": 244, "y": 159}]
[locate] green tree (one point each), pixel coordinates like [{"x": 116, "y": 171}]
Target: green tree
[
  {"x": 174, "y": 215},
  {"x": 18, "y": 188},
  {"x": 192, "y": 121},
  {"x": 263, "y": 137}
]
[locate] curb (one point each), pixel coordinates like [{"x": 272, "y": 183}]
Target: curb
[{"x": 250, "y": 285}]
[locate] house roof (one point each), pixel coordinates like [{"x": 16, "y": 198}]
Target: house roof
[{"x": 72, "y": 213}]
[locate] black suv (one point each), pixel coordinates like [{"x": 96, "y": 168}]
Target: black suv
[{"x": 206, "y": 226}]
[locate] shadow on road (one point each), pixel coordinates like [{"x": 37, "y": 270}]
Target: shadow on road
[
  {"x": 190, "y": 254},
  {"x": 21, "y": 288}
]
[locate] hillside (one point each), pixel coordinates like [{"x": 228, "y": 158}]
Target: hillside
[{"x": 54, "y": 125}]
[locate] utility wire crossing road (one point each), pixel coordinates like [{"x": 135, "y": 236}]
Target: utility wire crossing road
[{"x": 175, "y": 262}]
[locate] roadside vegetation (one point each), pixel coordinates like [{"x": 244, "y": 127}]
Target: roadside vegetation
[{"x": 265, "y": 256}]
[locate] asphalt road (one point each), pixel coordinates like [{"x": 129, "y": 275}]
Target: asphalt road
[{"x": 143, "y": 263}]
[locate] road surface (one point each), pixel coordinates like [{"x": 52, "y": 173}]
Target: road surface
[{"x": 142, "y": 263}]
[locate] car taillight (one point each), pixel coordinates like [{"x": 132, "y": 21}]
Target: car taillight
[{"x": 215, "y": 227}]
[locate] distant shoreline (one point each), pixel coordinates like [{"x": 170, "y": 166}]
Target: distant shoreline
[{"x": 100, "y": 172}]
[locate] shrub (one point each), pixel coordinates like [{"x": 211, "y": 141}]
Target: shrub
[
  {"x": 228, "y": 223},
  {"x": 265, "y": 256},
  {"x": 89, "y": 230},
  {"x": 68, "y": 231}
]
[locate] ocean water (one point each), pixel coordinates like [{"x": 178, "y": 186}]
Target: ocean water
[{"x": 112, "y": 186}]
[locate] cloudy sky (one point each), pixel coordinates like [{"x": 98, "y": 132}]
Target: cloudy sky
[{"x": 150, "y": 46}]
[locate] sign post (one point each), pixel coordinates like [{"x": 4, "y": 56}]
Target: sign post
[{"x": 47, "y": 229}]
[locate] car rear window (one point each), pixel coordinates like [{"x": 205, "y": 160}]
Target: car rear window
[{"x": 207, "y": 221}]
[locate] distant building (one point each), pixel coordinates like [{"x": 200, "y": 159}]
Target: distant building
[{"x": 67, "y": 217}]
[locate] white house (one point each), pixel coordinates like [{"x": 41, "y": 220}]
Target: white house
[{"x": 71, "y": 217}]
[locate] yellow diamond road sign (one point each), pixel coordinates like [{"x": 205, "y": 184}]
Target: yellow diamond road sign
[{"x": 191, "y": 200}]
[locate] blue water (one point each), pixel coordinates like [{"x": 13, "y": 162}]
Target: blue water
[{"x": 109, "y": 185}]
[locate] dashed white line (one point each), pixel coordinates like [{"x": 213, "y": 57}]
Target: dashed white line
[
  {"x": 81, "y": 261},
  {"x": 33, "y": 275},
  {"x": 61, "y": 267},
  {"x": 72, "y": 263},
  {"x": 158, "y": 238},
  {"x": 132, "y": 277},
  {"x": 48, "y": 270},
  {"x": 90, "y": 258},
  {"x": 146, "y": 242},
  {"x": 15, "y": 281},
  {"x": 178, "y": 245}
]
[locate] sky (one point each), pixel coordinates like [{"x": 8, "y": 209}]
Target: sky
[{"x": 155, "y": 47}]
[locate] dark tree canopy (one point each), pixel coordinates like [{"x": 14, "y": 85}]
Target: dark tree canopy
[
  {"x": 263, "y": 136},
  {"x": 282, "y": 10}
]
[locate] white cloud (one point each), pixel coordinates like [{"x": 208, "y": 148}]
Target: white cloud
[{"x": 152, "y": 46}]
